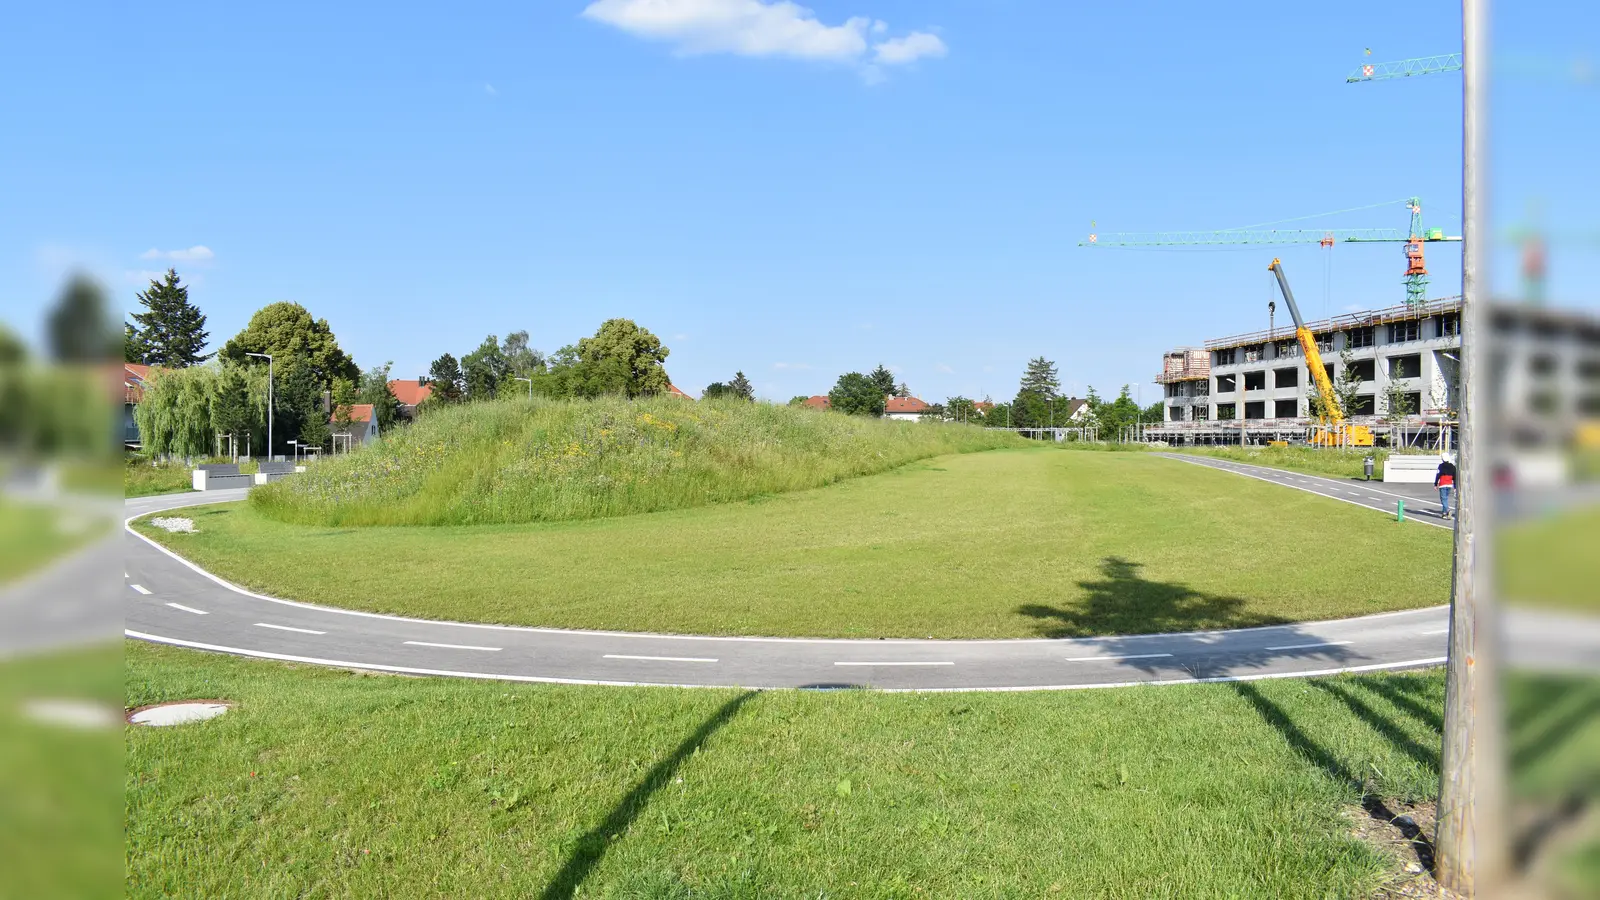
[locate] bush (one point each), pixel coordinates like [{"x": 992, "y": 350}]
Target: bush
[{"x": 541, "y": 460}]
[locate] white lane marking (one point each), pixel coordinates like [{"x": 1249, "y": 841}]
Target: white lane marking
[
  {"x": 188, "y": 609},
  {"x": 543, "y": 679},
  {"x": 696, "y": 659},
  {"x": 1438, "y": 631},
  {"x": 288, "y": 628},
  {"x": 659, "y": 636},
  {"x": 895, "y": 663},
  {"x": 139, "y": 588},
  {"x": 1124, "y": 656},
  {"x": 452, "y": 646},
  {"x": 1309, "y": 646}
]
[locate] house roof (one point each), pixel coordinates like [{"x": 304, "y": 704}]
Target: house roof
[
  {"x": 359, "y": 412},
  {"x": 905, "y": 405},
  {"x": 982, "y": 405},
  {"x": 133, "y": 379},
  {"x": 1074, "y": 404},
  {"x": 820, "y": 401},
  {"x": 410, "y": 391},
  {"x": 675, "y": 391}
]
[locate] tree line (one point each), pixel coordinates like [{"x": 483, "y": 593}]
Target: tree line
[{"x": 620, "y": 358}]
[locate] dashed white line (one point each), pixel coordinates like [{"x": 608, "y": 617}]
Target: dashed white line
[
  {"x": 1124, "y": 656},
  {"x": 1309, "y": 646},
  {"x": 895, "y": 663},
  {"x": 139, "y": 588},
  {"x": 693, "y": 659},
  {"x": 188, "y": 609},
  {"x": 452, "y": 646},
  {"x": 287, "y": 628}
]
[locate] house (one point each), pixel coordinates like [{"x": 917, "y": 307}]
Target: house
[
  {"x": 905, "y": 409},
  {"x": 134, "y": 376},
  {"x": 820, "y": 401},
  {"x": 363, "y": 427},
  {"x": 410, "y": 392},
  {"x": 674, "y": 391}
]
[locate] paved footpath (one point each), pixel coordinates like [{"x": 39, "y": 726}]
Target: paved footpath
[
  {"x": 1422, "y": 500},
  {"x": 169, "y": 600}
]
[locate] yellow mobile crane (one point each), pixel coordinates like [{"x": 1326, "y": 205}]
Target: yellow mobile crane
[{"x": 1333, "y": 432}]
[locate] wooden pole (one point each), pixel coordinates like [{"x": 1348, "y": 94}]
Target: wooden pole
[{"x": 1469, "y": 846}]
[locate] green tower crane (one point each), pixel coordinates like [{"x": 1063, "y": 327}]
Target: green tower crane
[
  {"x": 1406, "y": 68},
  {"x": 1416, "y": 276}
]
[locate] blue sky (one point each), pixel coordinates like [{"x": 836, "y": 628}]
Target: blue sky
[{"x": 790, "y": 193}]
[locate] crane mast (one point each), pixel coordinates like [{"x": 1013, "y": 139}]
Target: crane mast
[{"x": 1333, "y": 430}]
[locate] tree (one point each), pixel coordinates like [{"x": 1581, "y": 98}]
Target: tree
[
  {"x": 798, "y": 400},
  {"x": 285, "y": 330},
  {"x": 998, "y": 416},
  {"x": 175, "y": 412},
  {"x": 444, "y": 376},
  {"x": 1117, "y": 414},
  {"x": 961, "y": 409},
  {"x": 716, "y": 389},
  {"x": 230, "y": 407},
  {"x": 1397, "y": 403},
  {"x": 171, "y": 331},
  {"x": 376, "y": 391},
  {"x": 857, "y": 395},
  {"x": 1152, "y": 414},
  {"x": 1345, "y": 389},
  {"x": 344, "y": 399},
  {"x": 521, "y": 360},
  {"x": 483, "y": 369},
  {"x": 902, "y": 390},
  {"x": 1040, "y": 378},
  {"x": 883, "y": 380},
  {"x": 12, "y": 350},
  {"x": 742, "y": 387},
  {"x": 78, "y": 327},
  {"x": 621, "y": 358}
]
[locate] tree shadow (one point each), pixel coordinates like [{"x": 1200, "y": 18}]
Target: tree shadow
[
  {"x": 1428, "y": 716},
  {"x": 1121, "y": 602},
  {"x": 1314, "y": 753},
  {"x": 591, "y": 848},
  {"x": 1393, "y": 733}
]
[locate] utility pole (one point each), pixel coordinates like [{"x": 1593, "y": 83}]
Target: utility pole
[
  {"x": 1469, "y": 847},
  {"x": 268, "y": 358}
]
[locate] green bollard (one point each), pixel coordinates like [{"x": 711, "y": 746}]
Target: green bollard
[{"x": 1400, "y": 511}]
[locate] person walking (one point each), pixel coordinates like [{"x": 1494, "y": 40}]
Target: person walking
[{"x": 1445, "y": 481}]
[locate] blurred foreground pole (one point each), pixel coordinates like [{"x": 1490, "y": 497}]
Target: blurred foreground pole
[{"x": 1470, "y": 848}]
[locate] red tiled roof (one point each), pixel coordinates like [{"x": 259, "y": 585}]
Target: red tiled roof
[
  {"x": 410, "y": 391},
  {"x": 820, "y": 401},
  {"x": 905, "y": 405},
  {"x": 674, "y": 391},
  {"x": 359, "y": 412},
  {"x": 982, "y": 405},
  {"x": 133, "y": 379}
]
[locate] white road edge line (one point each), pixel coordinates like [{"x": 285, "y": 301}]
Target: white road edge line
[
  {"x": 579, "y": 632},
  {"x": 541, "y": 679},
  {"x": 1309, "y": 646},
  {"x": 694, "y": 659},
  {"x": 1438, "y": 631},
  {"x": 1124, "y": 656},
  {"x": 188, "y": 609},
  {"x": 452, "y": 646},
  {"x": 894, "y": 663},
  {"x": 140, "y": 589},
  {"x": 287, "y": 628}
]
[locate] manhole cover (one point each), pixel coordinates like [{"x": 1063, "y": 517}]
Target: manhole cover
[{"x": 181, "y": 712}]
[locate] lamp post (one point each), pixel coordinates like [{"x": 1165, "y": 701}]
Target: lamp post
[
  {"x": 268, "y": 358},
  {"x": 530, "y": 384}
]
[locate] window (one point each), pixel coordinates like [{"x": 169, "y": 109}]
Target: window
[
  {"x": 1226, "y": 384},
  {"x": 1543, "y": 365},
  {"x": 1363, "y": 405},
  {"x": 1450, "y": 325},
  {"x": 1405, "y": 366},
  {"x": 1286, "y": 349},
  {"x": 1285, "y": 377},
  {"x": 1253, "y": 353},
  {"x": 1227, "y": 357},
  {"x": 1364, "y": 369},
  {"x": 1360, "y": 337},
  {"x": 1325, "y": 342},
  {"x": 1225, "y": 411},
  {"x": 1255, "y": 381},
  {"x": 1285, "y": 409},
  {"x": 1201, "y": 414},
  {"x": 1255, "y": 410},
  {"x": 1401, "y": 332}
]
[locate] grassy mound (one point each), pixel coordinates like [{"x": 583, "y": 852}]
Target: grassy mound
[{"x": 555, "y": 460}]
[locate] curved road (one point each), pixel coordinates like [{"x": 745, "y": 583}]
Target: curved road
[{"x": 170, "y": 600}]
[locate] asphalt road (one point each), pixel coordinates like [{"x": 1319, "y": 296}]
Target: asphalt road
[
  {"x": 169, "y": 600},
  {"x": 1422, "y": 500}
]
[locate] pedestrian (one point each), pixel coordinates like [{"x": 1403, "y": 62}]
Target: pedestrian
[{"x": 1445, "y": 481}]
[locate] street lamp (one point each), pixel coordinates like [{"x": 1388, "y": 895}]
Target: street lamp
[
  {"x": 268, "y": 358},
  {"x": 530, "y": 384}
]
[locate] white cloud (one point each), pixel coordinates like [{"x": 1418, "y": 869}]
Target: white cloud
[
  {"x": 914, "y": 46},
  {"x": 792, "y": 366},
  {"x": 763, "y": 28},
  {"x": 944, "y": 368},
  {"x": 197, "y": 253},
  {"x": 489, "y": 89}
]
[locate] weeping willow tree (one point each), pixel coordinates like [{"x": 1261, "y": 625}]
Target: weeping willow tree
[{"x": 174, "y": 415}]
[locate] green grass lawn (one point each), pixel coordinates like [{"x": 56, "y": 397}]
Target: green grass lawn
[
  {"x": 141, "y": 478},
  {"x": 1034, "y": 542},
  {"x": 326, "y": 783},
  {"x": 1551, "y": 562},
  {"x": 1331, "y": 463},
  {"x": 34, "y": 535}
]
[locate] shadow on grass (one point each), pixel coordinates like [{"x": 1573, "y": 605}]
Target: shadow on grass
[
  {"x": 1122, "y": 602},
  {"x": 1319, "y": 756},
  {"x": 591, "y": 848}
]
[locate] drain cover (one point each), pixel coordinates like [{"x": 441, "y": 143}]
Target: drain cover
[{"x": 179, "y": 713}]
